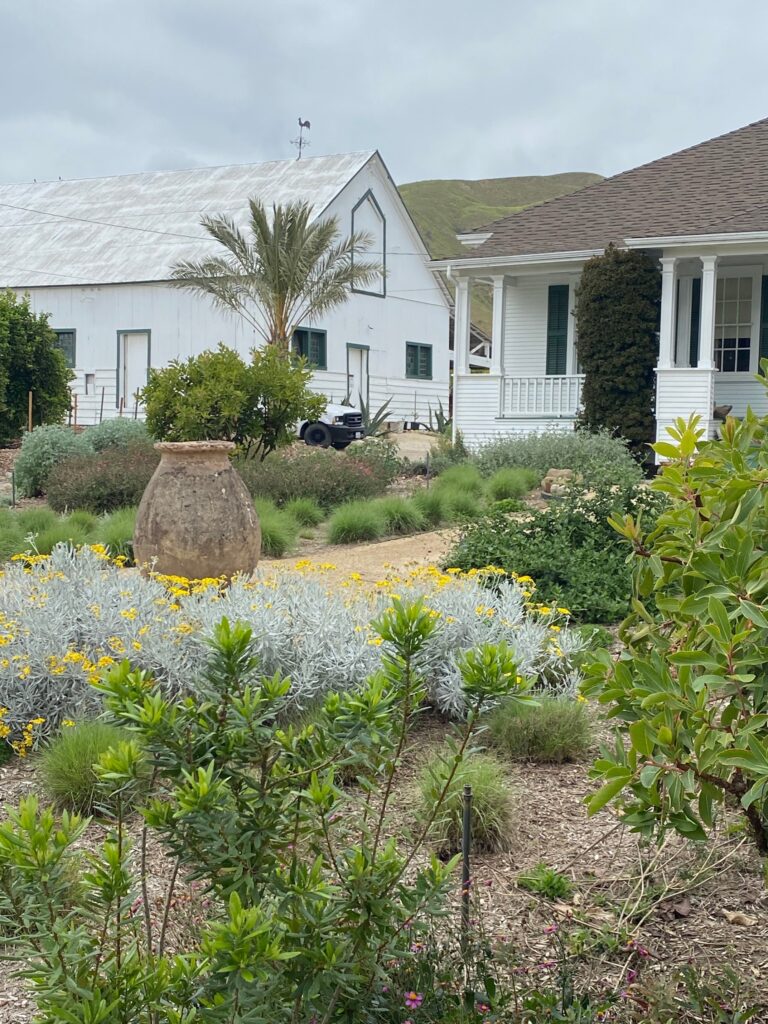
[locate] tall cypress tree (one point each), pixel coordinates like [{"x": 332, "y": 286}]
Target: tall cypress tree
[{"x": 617, "y": 319}]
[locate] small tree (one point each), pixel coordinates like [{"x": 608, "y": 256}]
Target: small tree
[
  {"x": 617, "y": 317},
  {"x": 289, "y": 269},
  {"x": 218, "y": 396},
  {"x": 29, "y": 361}
]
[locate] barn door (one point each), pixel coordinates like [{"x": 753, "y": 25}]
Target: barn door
[
  {"x": 133, "y": 362},
  {"x": 357, "y": 374}
]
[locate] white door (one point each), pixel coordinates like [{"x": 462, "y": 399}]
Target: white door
[
  {"x": 357, "y": 374},
  {"x": 134, "y": 360}
]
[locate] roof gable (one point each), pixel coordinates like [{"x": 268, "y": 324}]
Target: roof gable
[
  {"x": 699, "y": 190},
  {"x": 134, "y": 227}
]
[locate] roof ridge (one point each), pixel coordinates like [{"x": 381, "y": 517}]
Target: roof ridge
[{"x": 621, "y": 174}]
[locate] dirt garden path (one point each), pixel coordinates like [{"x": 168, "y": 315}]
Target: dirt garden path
[{"x": 371, "y": 560}]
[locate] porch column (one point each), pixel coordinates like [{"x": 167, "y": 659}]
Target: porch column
[
  {"x": 667, "y": 320},
  {"x": 707, "y": 318},
  {"x": 461, "y": 325},
  {"x": 497, "y": 324}
]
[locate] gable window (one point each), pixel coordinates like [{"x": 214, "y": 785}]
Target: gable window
[
  {"x": 418, "y": 361},
  {"x": 65, "y": 342},
  {"x": 557, "y": 329},
  {"x": 313, "y": 346}
]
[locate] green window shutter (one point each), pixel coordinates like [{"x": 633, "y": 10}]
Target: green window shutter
[
  {"x": 557, "y": 329},
  {"x": 411, "y": 361},
  {"x": 764, "y": 318},
  {"x": 693, "y": 350}
]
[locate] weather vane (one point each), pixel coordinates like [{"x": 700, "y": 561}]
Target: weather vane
[{"x": 301, "y": 143}]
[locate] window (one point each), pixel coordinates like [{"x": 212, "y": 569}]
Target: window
[
  {"x": 733, "y": 324},
  {"x": 311, "y": 345},
  {"x": 418, "y": 361},
  {"x": 65, "y": 342}
]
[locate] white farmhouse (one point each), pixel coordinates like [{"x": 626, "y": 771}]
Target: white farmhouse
[
  {"x": 702, "y": 212},
  {"x": 96, "y": 255}
]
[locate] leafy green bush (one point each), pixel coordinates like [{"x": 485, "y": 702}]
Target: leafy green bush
[
  {"x": 574, "y": 556},
  {"x": 105, "y": 481},
  {"x": 42, "y": 450},
  {"x": 30, "y": 360},
  {"x": 401, "y": 515},
  {"x": 279, "y": 530},
  {"x": 599, "y": 458},
  {"x": 381, "y": 454},
  {"x": 433, "y": 505},
  {"x": 305, "y": 511},
  {"x": 556, "y": 730},
  {"x": 328, "y": 477},
  {"x": 689, "y": 692},
  {"x": 464, "y": 477},
  {"x": 511, "y": 483},
  {"x": 66, "y": 765},
  {"x": 117, "y": 433},
  {"x": 115, "y": 532},
  {"x": 493, "y": 815},
  {"x": 545, "y": 881},
  {"x": 357, "y": 521},
  {"x": 217, "y": 396}
]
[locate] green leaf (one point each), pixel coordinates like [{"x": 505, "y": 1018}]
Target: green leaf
[
  {"x": 641, "y": 737},
  {"x": 607, "y": 792}
]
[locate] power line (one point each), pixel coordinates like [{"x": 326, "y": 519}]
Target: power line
[{"x": 100, "y": 223}]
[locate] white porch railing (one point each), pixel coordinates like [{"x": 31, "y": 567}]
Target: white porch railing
[{"x": 558, "y": 396}]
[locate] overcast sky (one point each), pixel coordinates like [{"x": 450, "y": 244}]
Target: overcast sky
[{"x": 451, "y": 89}]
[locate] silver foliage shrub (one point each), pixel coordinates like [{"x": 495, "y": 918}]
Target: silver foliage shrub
[{"x": 65, "y": 619}]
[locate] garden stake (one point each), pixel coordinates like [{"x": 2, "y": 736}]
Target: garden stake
[
  {"x": 101, "y": 410},
  {"x": 466, "y": 836},
  {"x": 13, "y": 488}
]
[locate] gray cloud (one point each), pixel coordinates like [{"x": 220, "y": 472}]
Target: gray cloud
[{"x": 443, "y": 89}]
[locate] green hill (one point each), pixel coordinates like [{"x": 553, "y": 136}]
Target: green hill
[{"x": 442, "y": 208}]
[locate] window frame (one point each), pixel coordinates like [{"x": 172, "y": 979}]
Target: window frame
[
  {"x": 296, "y": 346},
  {"x": 418, "y": 346},
  {"x": 755, "y": 272},
  {"x": 369, "y": 197},
  {"x": 67, "y": 330}
]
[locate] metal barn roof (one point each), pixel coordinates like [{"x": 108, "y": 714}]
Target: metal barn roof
[{"x": 134, "y": 227}]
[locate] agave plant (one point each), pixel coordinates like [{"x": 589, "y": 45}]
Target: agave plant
[{"x": 373, "y": 422}]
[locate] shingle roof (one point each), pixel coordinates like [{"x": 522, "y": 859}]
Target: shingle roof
[
  {"x": 134, "y": 227},
  {"x": 717, "y": 186}
]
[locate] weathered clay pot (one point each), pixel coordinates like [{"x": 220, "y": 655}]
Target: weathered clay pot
[{"x": 196, "y": 518}]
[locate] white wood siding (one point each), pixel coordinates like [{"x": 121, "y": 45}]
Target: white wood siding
[
  {"x": 682, "y": 391},
  {"x": 731, "y": 389},
  {"x": 476, "y": 411},
  {"x": 525, "y": 324}
]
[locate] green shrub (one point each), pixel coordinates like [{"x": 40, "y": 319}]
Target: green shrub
[
  {"x": 511, "y": 483},
  {"x": 117, "y": 433},
  {"x": 42, "y": 450},
  {"x": 401, "y": 515},
  {"x": 600, "y": 459},
  {"x": 12, "y": 537},
  {"x": 305, "y": 511},
  {"x": 574, "y": 556},
  {"x": 86, "y": 520},
  {"x": 104, "y": 481},
  {"x": 357, "y": 521},
  {"x": 433, "y": 505},
  {"x": 30, "y": 360},
  {"x": 381, "y": 454},
  {"x": 595, "y": 636},
  {"x": 216, "y": 395},
  {"x": 115, "y": 532},
  {"x": 556, "y": 730},
  {"x": 279, "y": 530},
  {"x": 464, "y": 477},
  {"x": 326, "y": 476},
  {"x": 62, "y": 532},
  {"x": 66, "y": 764},
  {"x": 33, "y": 520},
  {"x": 492, "y": 805},
  {"x": 545, "y": 881}
]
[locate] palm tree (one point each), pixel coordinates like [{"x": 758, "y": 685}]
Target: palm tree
[{"x": 288, "y": 269}]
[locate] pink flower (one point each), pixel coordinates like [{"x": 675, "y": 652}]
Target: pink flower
[
  {"x": 631, "y": 976},
  {"x": 413, "y": 1000},
  {"x": 417, "y": 947},
  {"x": 551, "y": 929},
  {"x": 482, "y": 1008}
]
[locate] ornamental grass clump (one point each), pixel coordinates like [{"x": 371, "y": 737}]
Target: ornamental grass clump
[
  {"x": 62, "y": 532},
  {"x": 554, "y": 730},
  {"x": 401, "y": 515},
  {"x": 279, "y": 530},
  {"x": 67, "y": 765},
  {"x": 433, "y": 505},
  {"x": 462, "y": 477},
  {"x": 358, "y": 521},
  {"x": 287, "y": 937},
  {"x": 511, "y": 483},
  {"x": 305, "y": 511},
  {"x": 493, "y": 815}
]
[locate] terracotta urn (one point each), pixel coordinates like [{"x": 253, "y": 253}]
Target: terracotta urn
[{"x": 196, "y": 518}]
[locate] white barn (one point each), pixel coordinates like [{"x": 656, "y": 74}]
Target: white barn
[
  {"x": 702, "y": 212},
  {"x": 96, "y": 255}
]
